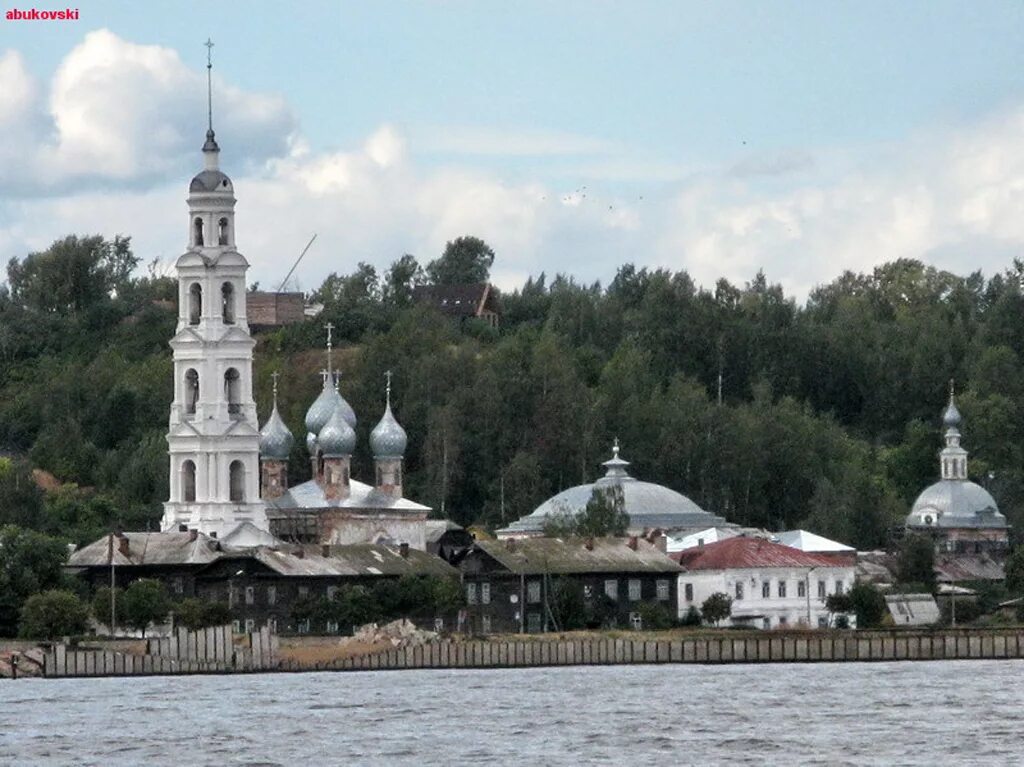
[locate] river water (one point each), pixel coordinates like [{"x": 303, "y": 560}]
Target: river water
[{"x": 928, "y": 713}]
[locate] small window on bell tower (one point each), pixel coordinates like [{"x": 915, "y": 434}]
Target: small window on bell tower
[
  {"x": 198, "y": 228},
  {"x": 222, "y": 232},
  {"x": 227, "y": 299},
  {"x": 195, "y": 303}
]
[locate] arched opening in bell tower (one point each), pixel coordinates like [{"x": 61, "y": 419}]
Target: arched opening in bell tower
[
  {"x": 197, "y": 229},
  {"x": 227, "y": 301},
  {"x": 195, "y": 303},
  {"x": 191, "y": 391},
  {"x": 236, "y": 481},
  {"x": 222, "y": 232},
  {"x": 233, "y": 391},
  {"x": 188, "y": 481}
]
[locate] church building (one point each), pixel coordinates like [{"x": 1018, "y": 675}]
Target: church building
[{"x": 228, "y": 477}]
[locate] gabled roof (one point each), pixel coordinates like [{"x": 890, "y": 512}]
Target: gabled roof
[
  {"x": 456, "y": 300},
  {"x": 350, "y": 560},
  {"x": 810, "y": 542},
  {"x": 148, "y": 549},
  {"x": 436, "y": 528},
  {"x": 577, "y": 555},
  {"x": 310, "y": 495},
  {"x": 744, "y": 552}
]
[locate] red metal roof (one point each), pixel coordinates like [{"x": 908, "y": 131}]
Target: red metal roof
[{"x": 741, "y": 551}]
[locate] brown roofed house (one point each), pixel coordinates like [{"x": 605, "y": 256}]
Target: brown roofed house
[{"x": 463, "y": 302}]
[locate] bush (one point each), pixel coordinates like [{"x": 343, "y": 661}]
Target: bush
[
  {"x": 101, "y": 606},
  {"x": 53, "y": 614},
  {"x": 195, "y": 614},
  {"x": 692, "y": 617},
  {"x": 145, "y": 602},
  {"x": 655, "y": 617}
]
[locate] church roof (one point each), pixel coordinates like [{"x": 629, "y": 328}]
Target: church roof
[
  {"x": 647, "y": 505},
  {"x": 210, "y": 181},
  {"x": 310, "y": 495},
  {"x": 388, "y": 439},
  {"x": 955, "y": 503},
  {"x": 275, "y": 439}
]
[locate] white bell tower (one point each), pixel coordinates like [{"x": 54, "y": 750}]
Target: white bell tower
[{"x": 213, "y": 437}]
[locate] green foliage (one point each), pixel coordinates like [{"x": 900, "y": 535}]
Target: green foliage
[
  {"x": 53, "y": 614},
  {"x": 101, "y": 605},
  {"x": 916, "y": 561},
  {"x": 30, "y": 562},
  {"x": 868, "y": 604},
  {"x": 655, "y": 617},
  {"x": 196, "y": 614},
  {"x": 465, "y": 260},
  {"x": 1015, "y": 571},
  {"x": 145, "y": 602},
  {"x": 604, "y": 515},
  {"x": 568, "y": 605},
  {"x": 716, "y": 608}
]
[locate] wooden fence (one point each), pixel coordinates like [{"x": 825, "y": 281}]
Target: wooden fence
[
  {"x": 206, "y": 651},
  {"x": 803, "y": 647}
]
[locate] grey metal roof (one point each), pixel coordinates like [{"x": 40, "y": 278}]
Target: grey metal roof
[
  {"x": 148, "y": 549},
  {"x": 577, "y": 555},
  {"x": 912, "y": 609},
  {"x": 436, "y": 528},
  {"x": 647, "y": 505},
  {"x": 353, "y": 560},
  {"x": 309, "y": 495},
  {"x": 275, "y": 439},
  {"x": 388, "y": 439},
  {"x": 210, "y": 181},
  {"x": 955, "y": 503}
]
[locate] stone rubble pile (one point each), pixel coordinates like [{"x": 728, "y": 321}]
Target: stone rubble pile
[{"x": 400, "y": 633}]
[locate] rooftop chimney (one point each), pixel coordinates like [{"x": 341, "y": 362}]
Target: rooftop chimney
[
  {"x": 300, "y": 553},
  {"x": 403, "y": 549},
  {"x": 325, "y": 550},
  {"x": 182, "y": 528},
  {"x": 632, "y": 542},
  {"x": 213, "y": 533},
  {"x": 588, "y": 544},
  {"x": 661, "y": 543},
  {"x": 193, "y": 534},
  {"x": 122, "y": 544}
]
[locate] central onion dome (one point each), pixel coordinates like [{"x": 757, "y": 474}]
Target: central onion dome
[
  {"x": 388, "y": 439},
  {"x": 275, "y": 439},
  {"x": 337, "y": 438},
  {"x": 320, "y": 413}
]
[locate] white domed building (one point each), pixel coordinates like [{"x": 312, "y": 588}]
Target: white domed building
[
  {"x": 648, "y": 506},
  {"x": 960, "y": 515}
]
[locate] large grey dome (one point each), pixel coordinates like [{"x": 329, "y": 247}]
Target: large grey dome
[
  {"x": 337, "y": 438},
  {"x": 275, "y": 439},
  {"x": 388, "y": 439},
  {"x": 955, "y": 503},
  {"x": 647, "y": 505}
]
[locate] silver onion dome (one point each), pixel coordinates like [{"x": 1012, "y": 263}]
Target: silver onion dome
[
  {"x": 275, "y": 439},
  {"x": 324, "y": 406},
  {"x": 337, "y": 438},
  {"x": 388, "y": 439},
  {"x": 951, "y": 418}
]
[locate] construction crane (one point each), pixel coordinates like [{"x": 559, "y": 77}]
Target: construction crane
[{"x": 280, "y": 288}]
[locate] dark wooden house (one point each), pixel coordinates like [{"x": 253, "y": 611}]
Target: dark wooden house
[
  {"x": 512, "y": 586},
  {"x": 463, "y": 302}
]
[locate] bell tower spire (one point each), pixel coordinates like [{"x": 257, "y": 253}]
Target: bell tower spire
[
  {"x": 953, "y": 458},
  {"x": 210, "y": 148}
]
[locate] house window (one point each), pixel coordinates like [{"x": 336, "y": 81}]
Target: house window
[
  {"x": 250, "y": 595},
  {"x": 801, "y": 589},
  {"x": 178, "y": 585},
  {"x": 782, "y": 589},
  {"x": 470, "y": 593},
  {"x": 485, "y": 624},
  {"x": 232, "y": 596},
  {"x": 485, "y": 593},
  {"x": 783, "y": 620},
  {"x": 611, "y": 589},
  {"x": 332, "y": 627},
  {"x": 662, "y": 588},
  {"x": 688, "y": 592},
  {"x": 636, "y": 621},
  {"x": 766, "y": 623},
  {"x": 588, "y": 591},
  {"x": 236, "y": 627},
  {"x": 822, "y": 622},
  {"x": 533, "y": 592},
  {"x": 272, "y": 625},
  {"x": 634, "y": 589},
  {"x": 303, "y": 627},
  {"x": 332, "y": 591},
  {"x": 303, "y": 592},
  {"x": 438, "y": 624},
  {"x": 533, "y": 622},
  {"x": 271, "y": 595},
  {"x": 739, "y": 590},
  {"x": 766, "y": 590},
  {"x": 822, "y": 589},
  {"x": 839, "y": 587},
  {"x": 250, "y": 625}
]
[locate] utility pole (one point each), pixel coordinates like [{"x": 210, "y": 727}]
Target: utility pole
[{"x": 113, "y": 593}]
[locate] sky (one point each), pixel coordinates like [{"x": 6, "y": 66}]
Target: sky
[{"x": 720, "y": 138}]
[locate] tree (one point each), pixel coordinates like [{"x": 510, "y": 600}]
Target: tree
[
  {"x": 30, "y": 562},
  {"x": 916, "y": 561},
  {"x": 465, "y": 260},
  {"x": 101, "y": 606},
  {"x": 1015, "y": 571},
  {"x": 196, "y": 614},
  {"x": 145, "y": 602},
  {"x": 52, "y": 614},
  {"x": 603, "y": 515},
  {"x": 868, "y": 604},
  {"x": 716, "y": 608}
]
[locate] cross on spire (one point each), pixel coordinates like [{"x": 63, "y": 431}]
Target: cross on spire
[
  {"x": 325, "y": 374},
  {"x": 615, "y": 447},
  {"x": 275, "y": 375},
  {"x": 329, "y": 327},
  {"x": 387, "y": 389},
  {"x": 209, "y": 81},
  {"x": 951, "y": 389}
]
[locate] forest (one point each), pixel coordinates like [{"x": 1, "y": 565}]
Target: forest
[{"x": 777, "y": 413}]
